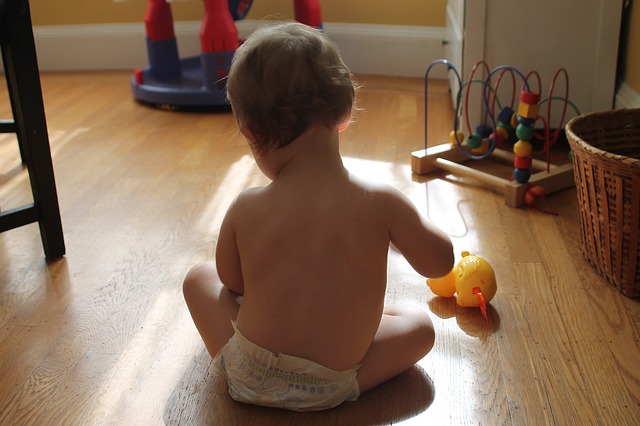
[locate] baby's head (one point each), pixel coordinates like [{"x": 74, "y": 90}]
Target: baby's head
[{"x": 284, "y": 79}]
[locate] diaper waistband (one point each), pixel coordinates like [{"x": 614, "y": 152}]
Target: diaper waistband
[{"x": 279, "y": 365}]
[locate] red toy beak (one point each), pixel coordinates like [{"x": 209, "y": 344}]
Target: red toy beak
[{"x": 483, "y": 306}]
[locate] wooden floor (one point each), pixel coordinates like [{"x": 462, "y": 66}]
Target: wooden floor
[{"x": 103, "y": 336}]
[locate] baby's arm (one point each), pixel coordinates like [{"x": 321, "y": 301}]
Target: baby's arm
[
  {"x": 426, "y": 248},
  {"x": 227, "y": 255}
]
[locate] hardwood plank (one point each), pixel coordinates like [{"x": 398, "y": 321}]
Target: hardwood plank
[
  {"x": 527, "y": 397},
  {"x": 619, "y": 337},
  {"x": 602, "y": 377},
  {"x": 553, "y": 357}
]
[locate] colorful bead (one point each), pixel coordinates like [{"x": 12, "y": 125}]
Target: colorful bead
[
  {"x": 522, "y": 175},
  {"x": 524, "y": 120},
  {"x": 522, "y": 162},
  {"x": 483, "y": 131},
  {"x": 452, "y": 137},
  {"x": 503, "y": 134},
  {"x": 524, "y": 132},
  {"x": 528, "y": 106},
  {"x": 522, "y": 149},
  {"x": 474, "y": 141},
  {"x": 533, "y": 195},
  {"x": 506, "y": 126},
  {"x": 530, "y": 98},
  {"x": 514, "y": 120},
  {"x": 505, "y": 115},
  {"x": 482, "y": 149}
]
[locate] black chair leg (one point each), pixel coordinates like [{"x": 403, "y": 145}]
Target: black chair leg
[{"x": 23, "y": 81}]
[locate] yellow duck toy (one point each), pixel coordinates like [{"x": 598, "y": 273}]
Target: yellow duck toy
[{"x": 472, "y": 279}]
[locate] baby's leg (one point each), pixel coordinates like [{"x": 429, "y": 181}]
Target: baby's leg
[
  {"x": 405, "y": 336},
  {"x": 211, "y": 304}
]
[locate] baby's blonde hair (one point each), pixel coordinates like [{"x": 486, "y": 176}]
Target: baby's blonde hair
[{"x": 285, "y": 78}]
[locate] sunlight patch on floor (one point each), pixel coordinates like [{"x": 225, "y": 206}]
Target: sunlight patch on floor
[
  {"x": 131, "y": 371},
  {"x": 439, "y": 200},
  {"x": 241, "y": 175}
]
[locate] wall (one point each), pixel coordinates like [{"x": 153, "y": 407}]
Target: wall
[
  {"x": 410, "y": 13},
  {"x": 429, "y": 13},
  {"x": 375, "y": 36},
  {"x": 631, "y": 72}
]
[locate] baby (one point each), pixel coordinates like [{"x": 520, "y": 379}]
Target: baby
[{"x": 308, "y": 252}]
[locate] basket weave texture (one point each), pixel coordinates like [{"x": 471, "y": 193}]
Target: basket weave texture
[{"x": 606, "y": 167}]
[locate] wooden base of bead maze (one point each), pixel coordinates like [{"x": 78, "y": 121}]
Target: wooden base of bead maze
[{"x": 449, "y": 158}]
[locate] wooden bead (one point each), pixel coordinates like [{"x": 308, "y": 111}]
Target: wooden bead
[
  {"x": 528, "y": 110},
  {"x": 474, "y": 141},
  {"x": 503, "y": 134},
  {"x": 483, "y": 131},
  {"x": 522, "y": 175},
  {"x": 522, "y": 149},
  {"x": 514, "y": 120},
  {"x": 530, "y": 98},
  {"x": 533, "y": 195},
  {"x": 524, "y": 132},
  {"x": 528, "y": 106},
  {"x": 522, "y": 162},
  {"x": 452, "y": 137},
  {"x": 482, "y": 149},
  {"x": 505, "y": 115}
]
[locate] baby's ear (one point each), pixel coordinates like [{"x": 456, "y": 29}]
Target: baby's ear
[
  {"x": 252, "y": 141},
  {"x": 248, "y": 134},
  {"x": 345, "y": 122}
]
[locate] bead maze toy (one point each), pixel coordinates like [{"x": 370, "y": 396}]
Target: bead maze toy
[
  {"x": 532, "y": 177},
  {"x": 197, "y": 81}
]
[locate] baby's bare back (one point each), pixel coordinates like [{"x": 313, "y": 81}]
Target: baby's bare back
[{"x": 314, "y": 261}]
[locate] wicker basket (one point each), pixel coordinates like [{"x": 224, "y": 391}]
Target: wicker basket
[{"x": 606, "y": 167}]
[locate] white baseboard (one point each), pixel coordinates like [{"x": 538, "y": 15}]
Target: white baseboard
[
  {"x": 626, "y": 97},
  {"x": 367, "y": 49}
]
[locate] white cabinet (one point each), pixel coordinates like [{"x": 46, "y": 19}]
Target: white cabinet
[{"x": 544, "y": 35}]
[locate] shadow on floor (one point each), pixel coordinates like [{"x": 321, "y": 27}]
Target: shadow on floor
[{"x": 201, "y": 398}]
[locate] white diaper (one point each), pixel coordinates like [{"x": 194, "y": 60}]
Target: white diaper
[{"x": 257, "y": 376}]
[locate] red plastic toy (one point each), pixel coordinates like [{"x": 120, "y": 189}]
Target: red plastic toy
[{"x": 197, "y": 80}]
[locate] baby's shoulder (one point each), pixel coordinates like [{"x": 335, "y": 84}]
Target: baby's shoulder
[
  {"x": 250, "y": 194},
  {"x": 388, "y": 201},
  {"x": 378, "y": 191},
  {"x": 248, "y": 199}
]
